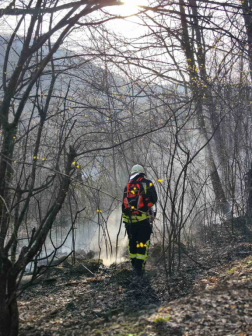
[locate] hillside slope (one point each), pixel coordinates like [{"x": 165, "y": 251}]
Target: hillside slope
[{"x": 214, "y": 301}]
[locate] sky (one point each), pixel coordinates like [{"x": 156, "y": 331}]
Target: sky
[
  {"x": 127, "y": 27},
  {"x": 122, "y": 26}
]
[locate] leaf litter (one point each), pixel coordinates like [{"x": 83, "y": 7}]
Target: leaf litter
[{"x": 214, "y": 299}]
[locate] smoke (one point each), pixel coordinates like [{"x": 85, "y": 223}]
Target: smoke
[
  {"x": 113, "y": 244},
  {"x": 100, "y": 236}
]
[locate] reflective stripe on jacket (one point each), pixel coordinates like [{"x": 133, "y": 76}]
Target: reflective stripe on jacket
[{"x": 135, "y": 218}]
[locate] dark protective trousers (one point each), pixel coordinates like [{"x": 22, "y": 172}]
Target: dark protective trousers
[{"x": 139, "y": 240}]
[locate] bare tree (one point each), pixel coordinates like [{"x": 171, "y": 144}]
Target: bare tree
[{"x": 21, "y": 89}]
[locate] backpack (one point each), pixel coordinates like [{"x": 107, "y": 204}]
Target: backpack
[{"x": 134, "y": 201}]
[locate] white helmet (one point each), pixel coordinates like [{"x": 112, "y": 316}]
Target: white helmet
[{"x": 137, "y": 169}]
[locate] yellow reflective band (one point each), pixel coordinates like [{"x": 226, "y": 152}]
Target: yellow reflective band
[
  {"x": 147, "y": 248},
  {"x": 141, "y": 257},
  {"x": 132, "y": 255},
  {"x": 145, "y": 188},
  {"x": 135, "y": 219}
]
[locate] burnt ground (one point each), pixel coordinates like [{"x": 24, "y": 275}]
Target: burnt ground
[{"x": 210, "y": 295}]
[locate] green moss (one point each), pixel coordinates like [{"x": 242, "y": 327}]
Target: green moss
[
  {"x": 160, "y": 319},
  {"x": 249, "y": 260},
  {"x": 98, "y": 332},
  {"x": 231, "y": 270}
]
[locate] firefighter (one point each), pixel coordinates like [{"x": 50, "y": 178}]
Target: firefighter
[{"x": 138, "y": 199}]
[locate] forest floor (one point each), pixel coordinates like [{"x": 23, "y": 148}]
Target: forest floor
[{"x": 210, "y": 295}]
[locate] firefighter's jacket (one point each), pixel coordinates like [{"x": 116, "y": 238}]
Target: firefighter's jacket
[{"x": 150, "y": 197}]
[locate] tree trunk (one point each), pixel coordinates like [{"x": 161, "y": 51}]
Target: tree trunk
[
  {"x": 249, "y": 202},
  {"x": 193, "y": 71},
  {"x": 247, "y": 8},
  {"x": 8, "y": 300}
]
